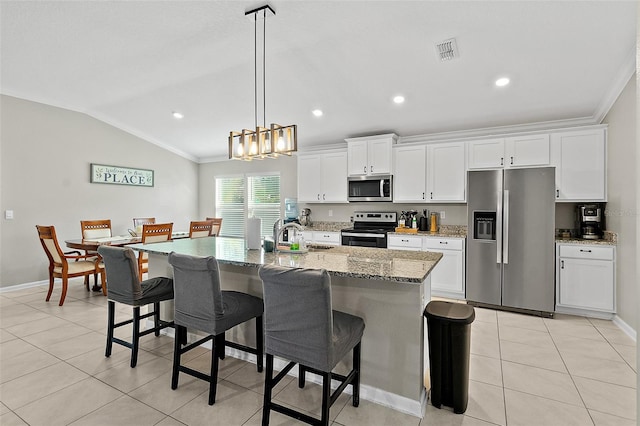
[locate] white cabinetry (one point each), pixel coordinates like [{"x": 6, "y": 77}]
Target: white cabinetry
[
  {"x": 429, "y": 173},
  {"x": 580, "y": 160},
  {"x": 585, "y": 279},
  {"x": 327, "y": 237},
  {"x": 446, "y": 172},
  {"x": 410, "y": 178},
  {"x": 514, "y": 151},
  {"x": 448, "y": 277},
  {"x": 322, "y": 178},
  {"x": 404, "y": 242},
  {"x": 370, "y": 155}
]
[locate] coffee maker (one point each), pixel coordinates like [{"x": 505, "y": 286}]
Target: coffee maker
[{"x": 590, "y": 221}]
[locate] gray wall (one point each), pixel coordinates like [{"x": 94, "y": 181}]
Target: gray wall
[
  {"x": 45, "y": 154},
  {"x": 622, "y": 211}
]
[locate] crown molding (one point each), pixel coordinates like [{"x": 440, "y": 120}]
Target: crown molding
[{"x": 624, "y": 75}]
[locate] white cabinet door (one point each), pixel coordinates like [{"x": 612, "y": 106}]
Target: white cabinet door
[
  {"x": 309, "y": 182},
  {"x": 486, "y": 154},
  {"x": 587, "y": 284},
  {"x": 580, "y": 160},
  {"x": 447, "y": 277},
  {"x": 322, "y": 178},
  {"x": 446, "y": 172},
  {"x": 409, "y": 180},
  {"x": 404, "y": 242},
  {"x": 526, "y": 151},
  {"x": 380, "y": 157},
  {"x": 327, "y": 237},
  {"x": 358, "y": 158},
  {"x": 334, "y": 177}
]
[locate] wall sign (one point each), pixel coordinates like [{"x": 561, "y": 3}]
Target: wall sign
[{"x": 117, "y": 175}]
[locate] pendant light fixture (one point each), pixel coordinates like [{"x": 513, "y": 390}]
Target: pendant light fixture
[{"x": 262, "y": 141}]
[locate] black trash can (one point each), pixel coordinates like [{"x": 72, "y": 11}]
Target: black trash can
[{"x": 449, "y": 328}]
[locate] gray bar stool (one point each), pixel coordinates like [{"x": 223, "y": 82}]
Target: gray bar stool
[
  {"x": 124, "y": 286},
  {"x": 201, "y": 305},
  {"x": 300, "y": 326}
]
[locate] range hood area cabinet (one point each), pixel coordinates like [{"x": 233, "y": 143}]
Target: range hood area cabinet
[
  {"x": 322, "y": 178},
  {"x": 510, "y": 152},
  {"x": 371, "y": 155},
  {"x": 580, "y": 157},
  {"x": 430, "y": 173}
]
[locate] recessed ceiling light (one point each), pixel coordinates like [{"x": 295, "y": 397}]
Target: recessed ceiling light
[
  {"x": 177, "y": 115},
  {"x": 398, "y": 99},
  {"x": 501, "y": 82},
  {"x": 317, "y": 112}
]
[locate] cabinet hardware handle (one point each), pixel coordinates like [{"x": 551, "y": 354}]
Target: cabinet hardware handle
[
  {"x": 444, "y": 242},
  {"x": 318, "y": 197},
  {"x": 365, "y": 169},
  {"x": 511, "y": 160},
  {"x": 423, "y": 195},
  {"x": 405, "y": 241},
  {"x": 323, "y": 197},
  {"x": 562, "y": 264},
  {"x": 371, "y": 167},
  {"x": 502, "y": 161},
  {"x": 585, "y": 251},
  {"x": 432, "y": 195},
  {"x": 557, "y": 193}
]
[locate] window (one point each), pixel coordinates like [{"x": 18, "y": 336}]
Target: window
[{"x": 242, "y": 196}]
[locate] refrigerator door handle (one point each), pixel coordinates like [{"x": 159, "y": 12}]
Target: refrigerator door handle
[
  {"x": 505, "y": 244},
  {"x": 499, "y": 227}
]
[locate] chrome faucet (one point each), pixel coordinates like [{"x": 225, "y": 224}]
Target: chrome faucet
[{"x": 279, "y": 230}]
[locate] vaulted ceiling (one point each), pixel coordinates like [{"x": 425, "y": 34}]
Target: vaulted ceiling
[{"x": 132, "y": 63}]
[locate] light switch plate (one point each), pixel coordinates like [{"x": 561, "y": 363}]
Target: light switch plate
[
  {"x": 8, "y": 214},
  {"x": 442, "y": 214}
]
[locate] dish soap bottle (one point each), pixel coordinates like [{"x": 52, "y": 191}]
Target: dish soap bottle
[{"x": 414, "y": 223}]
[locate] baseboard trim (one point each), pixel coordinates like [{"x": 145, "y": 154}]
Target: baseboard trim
[
  {"x": 17, "y": 287},
  {"x": 628, "y": 330}
]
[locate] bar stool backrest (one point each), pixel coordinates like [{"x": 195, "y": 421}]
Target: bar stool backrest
[
  {"x": 123, "y": 284},
  {"x": 197, "y": 295},
  {"x": 298, "y": 315}
]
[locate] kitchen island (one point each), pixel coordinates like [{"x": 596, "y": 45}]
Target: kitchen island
[{"x": 387, "y": 288}]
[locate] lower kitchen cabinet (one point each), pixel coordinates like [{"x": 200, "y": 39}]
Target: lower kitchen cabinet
[
  {"x": 585, "y": 279},
  {"x": 332, "y": 238},
  {"x": 448, "y": 277}
]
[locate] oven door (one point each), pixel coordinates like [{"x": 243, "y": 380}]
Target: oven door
[{"x": 364, "y": 239}]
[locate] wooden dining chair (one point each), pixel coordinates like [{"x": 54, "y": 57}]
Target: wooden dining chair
[
  {"x": 152, "y": 233},
  {"x": 67, "y": 265},
  {"x": 200, "y": 228},
  {"x": 139, "y": 221},
  {"x": 93, "y": 229},
  {"x": 217, "y": 225}
]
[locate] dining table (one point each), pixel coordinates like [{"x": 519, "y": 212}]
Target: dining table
[{"x": 92, "y": 244}]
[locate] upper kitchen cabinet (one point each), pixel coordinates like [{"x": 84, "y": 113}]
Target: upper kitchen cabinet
[
  {"x": 527, "y": 151},
  {"x": 322, "y": 178},
  {"x": 446, "y": 172},
  {"x": 508, "y": 152},
  {"x": 370, "y": 155},
  {"x": 410, "y": 178},
  {"x": 580, "y": 160},
  {"x": 429, "y": 173},
  {"x": 486, "y": 154}
]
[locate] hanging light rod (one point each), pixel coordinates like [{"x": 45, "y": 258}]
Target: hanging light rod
[{"x": 263, "y": 142}]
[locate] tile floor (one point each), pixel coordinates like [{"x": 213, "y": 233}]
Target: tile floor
[{"x": 524, "y": 371}]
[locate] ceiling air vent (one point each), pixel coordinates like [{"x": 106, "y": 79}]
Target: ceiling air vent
[{"x": 447, "y": 50}]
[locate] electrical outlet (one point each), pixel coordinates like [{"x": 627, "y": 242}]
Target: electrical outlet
[
  {"x": 330, "y": 213},
  {"x": 442, "y": 214}
]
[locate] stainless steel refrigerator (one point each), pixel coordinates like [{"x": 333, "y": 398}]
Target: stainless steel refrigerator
[{"x": 510, "y": 240}]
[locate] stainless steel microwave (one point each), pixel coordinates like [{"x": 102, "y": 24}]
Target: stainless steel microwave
[{"x": 370, "y": 188}]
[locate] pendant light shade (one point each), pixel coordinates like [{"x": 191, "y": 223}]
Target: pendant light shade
[{"x": 263, "y": 142}]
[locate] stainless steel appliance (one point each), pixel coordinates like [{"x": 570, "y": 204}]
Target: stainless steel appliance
[
  {"x": 370, "y": 229},
  {"x": 305, "y": 217},
  {"x": 370, "y": 188},
  {"x": 590, "y": 221},
  {"x": 510, "y": 245}
]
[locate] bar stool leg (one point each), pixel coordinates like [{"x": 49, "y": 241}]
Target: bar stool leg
[
  {"x": 110, "y": 326},
  {"x": 180, "y": 331},
  {"x": 301, "y": 376},
  {"x": 356, "y": 379},
  {"x": 259, "y": 344},
  {"x": 213, "y": 377},
  {"x": 326, "y": 398},
  {"x": 136, "y": 336},
  {"x": 156, "y": 318},
  {"x": 268, "y": 387}
]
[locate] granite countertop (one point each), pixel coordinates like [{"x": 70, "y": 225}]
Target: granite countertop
[
  {"x": 328, "y": 226},
  {"x": 586, "y": 242},
  {"x": 344, "y": 261},
  {"x": 444, "y": 231}
]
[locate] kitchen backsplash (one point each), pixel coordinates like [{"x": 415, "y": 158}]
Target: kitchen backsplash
[{"x": 455, "y": 214}]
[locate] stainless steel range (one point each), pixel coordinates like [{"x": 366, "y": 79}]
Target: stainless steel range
[{"x": 370, "y": 229}]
